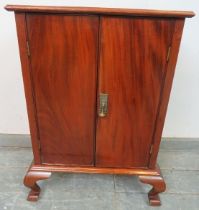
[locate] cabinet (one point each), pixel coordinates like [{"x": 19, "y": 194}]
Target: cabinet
[{"x": 97, "y": 84}]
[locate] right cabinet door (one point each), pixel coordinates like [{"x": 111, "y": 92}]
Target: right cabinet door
[{"x": 132, "y": 65}]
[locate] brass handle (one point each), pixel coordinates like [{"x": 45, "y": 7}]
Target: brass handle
[{"x": 103, "y": 106}]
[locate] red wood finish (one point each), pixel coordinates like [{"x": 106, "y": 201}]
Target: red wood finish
[
  {"x": 166, "y": 89},
  {"x": 96, "y": 170},
  {"x": 158, "y": 186},
  {"x": 40, "y": 172},
  {"x": 63, "y": 62},
  {"x": 30, "y": 181},
  {"x": 100, "y": 11},
  {"x": 131, "y": 71},
  {"x": 27, "y": 79},
  {"x": 69, "y": 56}
]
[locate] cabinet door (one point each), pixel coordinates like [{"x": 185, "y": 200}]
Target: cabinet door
[
  {"x": 133, "y": 57},
  {"x": 63, "y": 52}
]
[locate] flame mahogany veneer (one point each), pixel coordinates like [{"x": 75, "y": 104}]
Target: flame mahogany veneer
[{"x": 69, "y": 57}]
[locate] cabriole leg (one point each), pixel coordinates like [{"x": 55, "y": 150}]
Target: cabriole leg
[
  {"x": 158, "y": 186},
  {"x": 30, "y": 181}
]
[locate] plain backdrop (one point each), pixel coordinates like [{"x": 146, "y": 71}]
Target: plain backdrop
[{"x": 183, "y": 112}]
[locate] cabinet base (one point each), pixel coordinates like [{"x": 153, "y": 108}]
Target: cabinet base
[
  {"x": 30, "y": 180},
  {"x": 158, "y": 186},
  {"x": 147, "y": 176}
]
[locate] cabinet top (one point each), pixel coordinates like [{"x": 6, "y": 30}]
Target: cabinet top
[{"x": 100, "y": 11}]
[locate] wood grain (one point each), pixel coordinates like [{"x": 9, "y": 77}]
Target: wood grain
[
  {"x": 40, "y": 172},
  {"x": 166, "y": 89},
  {"x": 158, "y": 186},
  {"x": 27, "y": 80},
  {"x": 132, "y": 65},
  {"x": 76, "y": 53},
  {"x": 96, "y": 170},
  {"x": 30, "y": 181},
  {"x": 99, "y": 11},
  {"x": 63, "y": 59}
]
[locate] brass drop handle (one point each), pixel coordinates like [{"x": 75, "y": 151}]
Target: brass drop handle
[{"x": 103, "y": 105}]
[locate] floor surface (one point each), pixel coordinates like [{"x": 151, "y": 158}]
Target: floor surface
[{"x": 178, "y": 159}]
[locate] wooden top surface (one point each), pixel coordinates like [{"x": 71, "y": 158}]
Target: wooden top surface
[{"x": 101, "y": 11}]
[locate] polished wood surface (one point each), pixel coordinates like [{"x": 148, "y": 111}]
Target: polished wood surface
[
  {"x": 40, "y": 172},
  {"x": 166, "y": 89},
  {"x": 100, "y": 11},
  {"x": 131, "y": 71},
  {"x": 28, "y": 84},
  {"x": 158, "y": 186},
  {"x": 63, "y": 62},
  {"x": 68, "y": 59},
  {"x": 30, "y": 181},
  {"x": 95, "y": 170}
]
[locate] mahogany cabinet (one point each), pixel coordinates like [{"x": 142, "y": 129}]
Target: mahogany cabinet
[{"x": 97, "y": 84}]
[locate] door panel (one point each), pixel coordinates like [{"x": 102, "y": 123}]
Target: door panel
[
  {"x": 133, "y": 55},
  {"x": 63, "y": 67}
]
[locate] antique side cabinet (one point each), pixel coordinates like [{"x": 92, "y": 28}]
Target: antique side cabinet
[{"x": 97, "y": 83}]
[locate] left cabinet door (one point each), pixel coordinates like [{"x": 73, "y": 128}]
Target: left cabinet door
[{"x": 63, "y": 59}]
